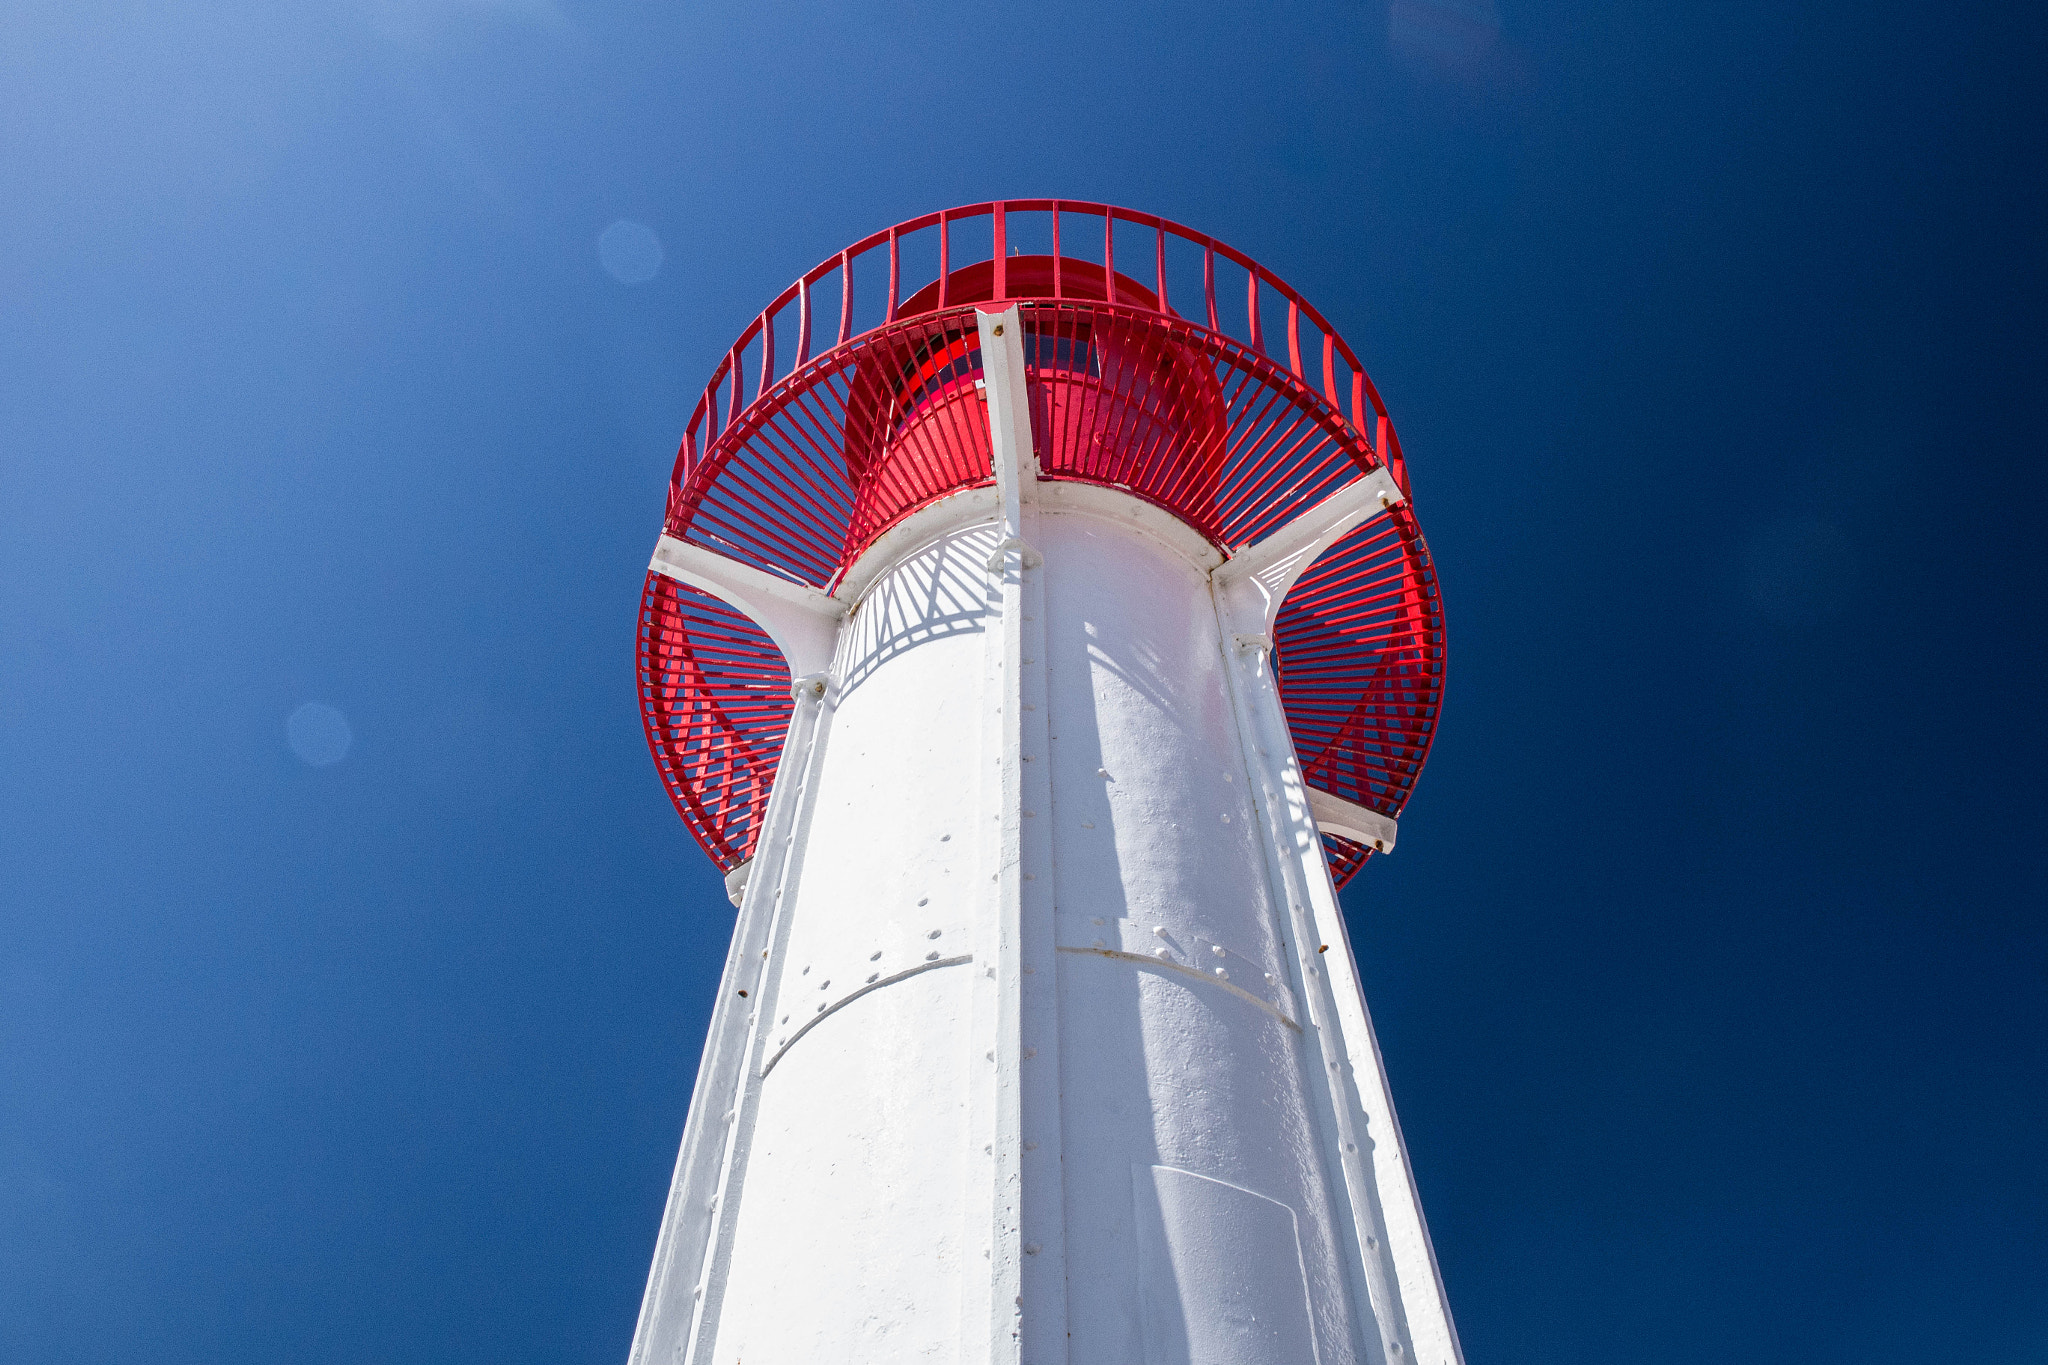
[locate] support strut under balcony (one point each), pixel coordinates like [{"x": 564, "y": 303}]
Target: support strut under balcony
[
  {"x": 1349, "y": 820},
  {"x": 803, "y": 622},
  {"x": 1012, "y": 455},
  {"x": 1256, "y": 580}
]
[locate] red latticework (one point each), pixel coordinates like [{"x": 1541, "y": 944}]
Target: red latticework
[
  {"x": 1217, "y": 434},
  {"x": 1195, "y": 416},
  {"x": 1360, "y": 644},
  {"x": 714, "y": 697}
]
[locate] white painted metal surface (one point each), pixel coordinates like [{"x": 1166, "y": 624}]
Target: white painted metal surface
[
  {"x": 803, "y": 622},
  {"x": 1349, "y": 820},
  {"x": 1041, "y": 1058}
]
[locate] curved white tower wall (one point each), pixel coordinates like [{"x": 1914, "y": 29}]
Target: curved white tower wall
[{"x": 1052, "y": 1047}]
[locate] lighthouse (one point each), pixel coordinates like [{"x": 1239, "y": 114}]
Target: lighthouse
[{"x": 1039, "y": 635}]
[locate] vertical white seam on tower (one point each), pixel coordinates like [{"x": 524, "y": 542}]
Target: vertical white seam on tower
[
  {"x": 1425, "y": 1320},
  {"x": 767, "y": 898},
  {"x": 1425, "y": 1306},
  {"x": 1027, "y": 1308},
  {"x": 1376, "y": 1301}
]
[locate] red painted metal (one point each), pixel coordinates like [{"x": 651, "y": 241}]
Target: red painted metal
[
  {"x": 846, "y": 296},
  {"x": 803, "y": 326},
  {"x": 1251, "y": 308},
  {"x": 1125, "y": 393},
  {"x": 1208, "y": 284}
]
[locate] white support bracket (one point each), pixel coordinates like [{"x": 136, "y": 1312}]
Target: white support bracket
[
  {"x": 1009, "y": 425},
  {"x": 736, "y": 882},
  {"x": 803, "y": 622},
  {"x": 1032, "y": 559},
  {"x": 1256, "y": 580},
  {"x": 1349, "y": 820}
]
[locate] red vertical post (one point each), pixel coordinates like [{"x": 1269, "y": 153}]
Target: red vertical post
[
  {"x": 1109, "y": 255},
  {"x": 803, "y": 322},
  {"x": 1002, "y": 269},
  {"x": 1294, "y": 337},
  {"x": 1159, "y": 266},
  {"x": 895, "y": 276},
  {"x": 733, "y": 402},
  {"x": 767, "y": 355},
  {"x": 1251, "y": 308},
  {"x": 945, "y": 258},
  {"x": 1209, "y": 282},
  {"x": 1056, "y": 291},
  {"x": 1330, "y": 370},
  {"x": 845, "y": 298}
]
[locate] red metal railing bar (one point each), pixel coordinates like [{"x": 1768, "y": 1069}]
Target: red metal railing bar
[
  {"x": 803, "y": 324},
  {"x": 895, "y": 277},
  {"x": 810, "y": 502},
  {"x": 1209, "y": 284},
  {"x": 732, "y": 401},
  {"x": 1002, "y": 276},
  {"x": 1056, "y": 258},
  {"x": 1247, "y": 439},
  {"x": 1265, "y": 507},
  {"x": 1108, "y": 254},
  {"x": 845, "y": 298},
  {"x": 1159, "y": 267}
]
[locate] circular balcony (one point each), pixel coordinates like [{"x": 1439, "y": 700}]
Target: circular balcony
[{"x": 1237, "y": 411}]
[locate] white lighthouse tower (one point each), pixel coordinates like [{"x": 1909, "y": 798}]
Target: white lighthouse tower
[{"x": 1037, "y": 658}]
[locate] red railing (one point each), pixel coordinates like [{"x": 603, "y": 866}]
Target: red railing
[
  {"x": 869, "y": 280},
  {"x": 1125, "y": 391}
]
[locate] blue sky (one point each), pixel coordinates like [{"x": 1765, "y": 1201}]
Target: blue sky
[{"x": 353, "y": 967}]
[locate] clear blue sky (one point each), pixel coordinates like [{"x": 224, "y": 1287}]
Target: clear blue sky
[{"x": 1712, "y": 972}]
